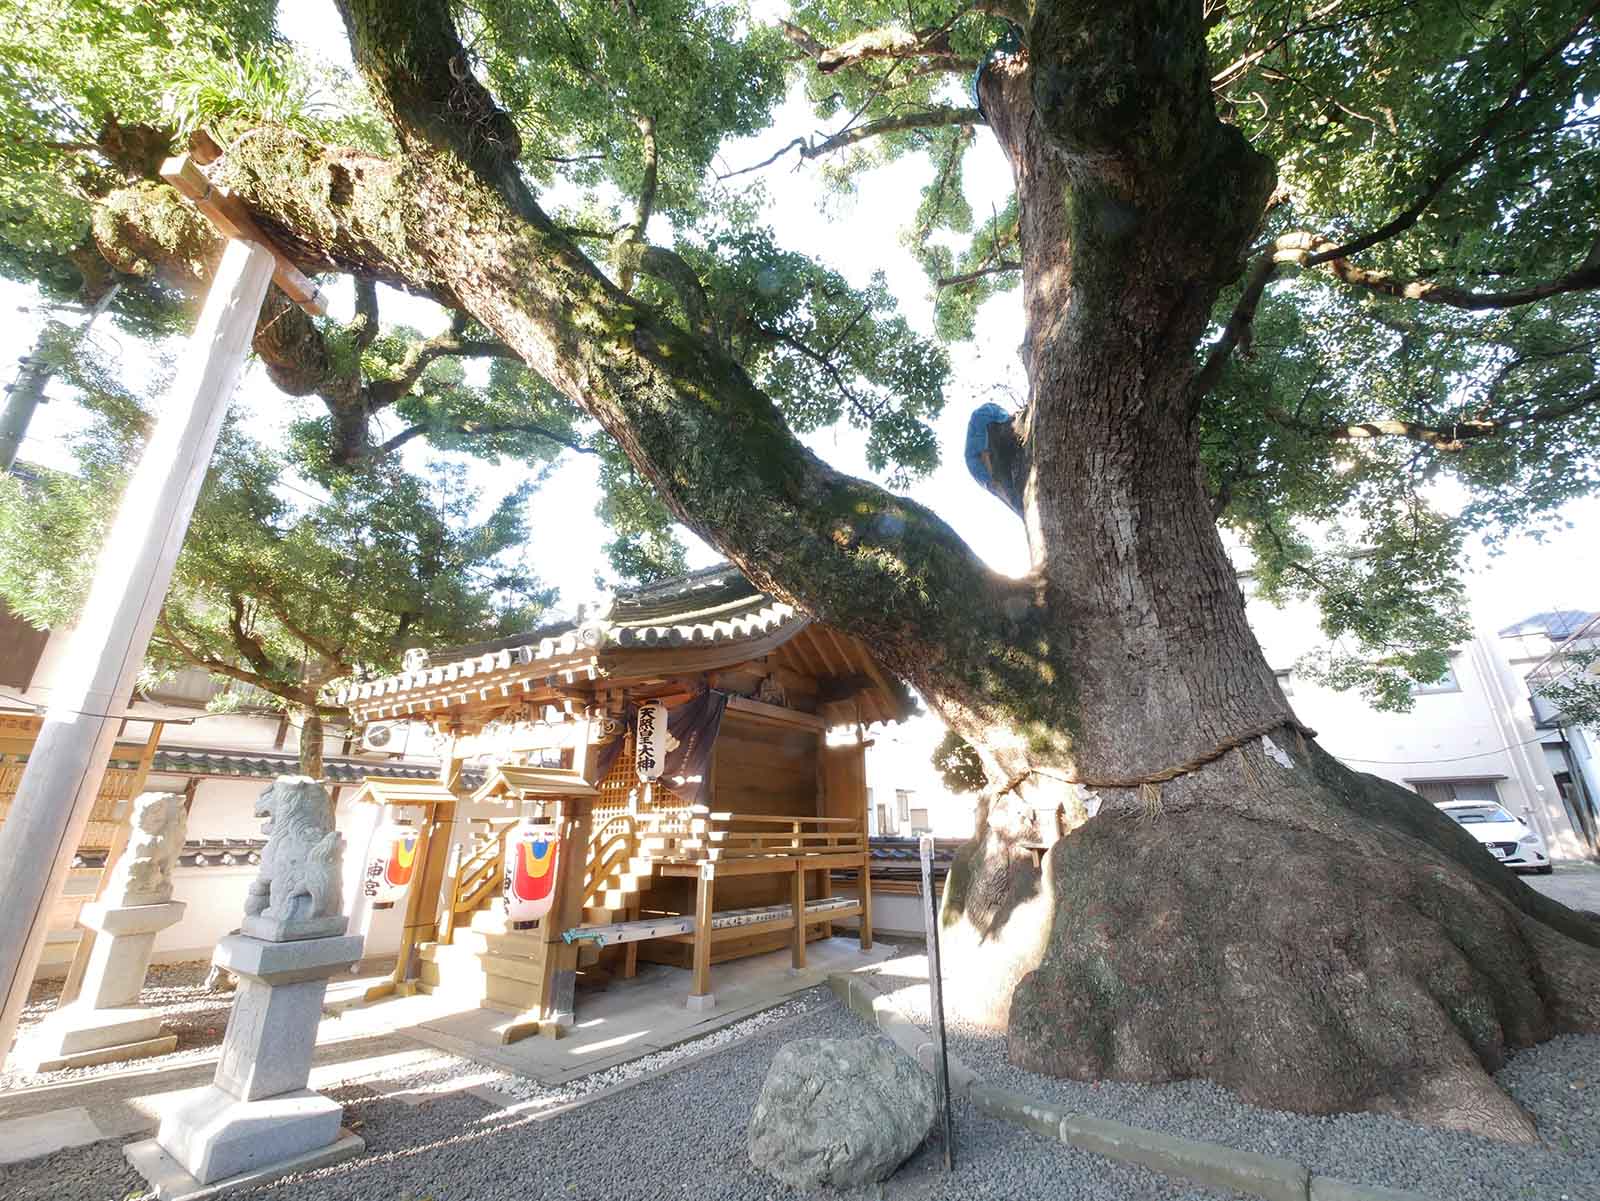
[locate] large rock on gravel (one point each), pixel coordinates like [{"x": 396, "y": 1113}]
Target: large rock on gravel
[{"x": 840, "y": 1112}]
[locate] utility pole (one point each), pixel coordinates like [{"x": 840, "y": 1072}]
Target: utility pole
[{"x": 26, "y": 392}]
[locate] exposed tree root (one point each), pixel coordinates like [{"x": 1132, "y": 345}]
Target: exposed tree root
[{"x": 1311, "y": 939}]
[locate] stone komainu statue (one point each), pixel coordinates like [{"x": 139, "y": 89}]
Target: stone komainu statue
[
  {"x": 142, "y": 874},
  {"x": 301, "y": 865}
]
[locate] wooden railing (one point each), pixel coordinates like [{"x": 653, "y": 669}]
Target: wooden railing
[
  {"x": 481, "y": 870},
  {"x": 756, "y": 836},
  {"x": 613, "y": 845}
]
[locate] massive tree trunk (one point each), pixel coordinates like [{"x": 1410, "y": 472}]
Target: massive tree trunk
[
  {"x": 1242, "y": 907},
  {"x": 311, "y": 734},
  {"x": 1316, "y": 939}
]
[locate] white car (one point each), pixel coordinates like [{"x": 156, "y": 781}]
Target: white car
[{"x": 1507, "y": 839}]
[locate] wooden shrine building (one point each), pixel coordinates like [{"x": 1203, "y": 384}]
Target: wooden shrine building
[{"x": 698, "y": 751}]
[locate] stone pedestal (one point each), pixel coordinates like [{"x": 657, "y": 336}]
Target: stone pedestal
[
  {"x": 257, "y": 1119},
  {"x": 106, "y": 1022}
]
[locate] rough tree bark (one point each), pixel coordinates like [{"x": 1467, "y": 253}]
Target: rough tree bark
[
  {"x": 1262, "y": 916},
  {"x": 311, "y": 742}
]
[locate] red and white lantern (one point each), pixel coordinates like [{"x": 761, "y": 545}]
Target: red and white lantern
[
  {"x": 532, "y": 852},
  {"x": 391, "y": 862}
]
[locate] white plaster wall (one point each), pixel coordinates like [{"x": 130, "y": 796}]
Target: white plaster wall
[{"x": 214, "y": 896}]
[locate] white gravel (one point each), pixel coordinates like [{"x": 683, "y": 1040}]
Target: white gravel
[
  {"x": 1558, "y": 1082},
  {"x": 680, "y": 1133},
  {"x": 177, "y": 990},
  {"x": 679, "y": 1130}
]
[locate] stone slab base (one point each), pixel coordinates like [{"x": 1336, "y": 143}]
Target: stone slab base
[
  {"x": 171, "y": 1183},
  {"x": 143, "y": 1049},
  {"x": 77, "y": 1029},
  {"x": 212, "y": 1135},
  {"x": 700, "y": 1002},
  {"x": 273, "y": 929}
]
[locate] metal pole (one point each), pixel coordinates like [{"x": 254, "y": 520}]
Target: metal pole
[
  {"x": 930, "y": 923},
  {"x": 68, "y": 760}
]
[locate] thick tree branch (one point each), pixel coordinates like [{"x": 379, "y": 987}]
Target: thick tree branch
[
  {"x": 968, "y": 277},
  {"x": 246, "y": 643},
  {"x": 450, "y": 344},
  {"x": 1582, "y": 278},
  {"x": 633, "y": 234},
  {"x": 938, "y": 117},
  {"x": 1305, "y": 250},
  {"x": 928, "y": 118},
  {"x": 288, "y": 692},
  {"x": 366, "y": 321},
  {"x": 1449, "y": 437},
  {"x": 1289, "y": 248},
  {"x": 931, "y": 46},
  {"x": 332, "y": 655},
  {"x": 477, "y": 429},
  {"x": 457, "y": 215},
  {"x": 669, "y": 267}
]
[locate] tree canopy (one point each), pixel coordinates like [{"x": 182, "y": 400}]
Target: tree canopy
[
  {"x": 280, "y": 587},
  {"x": 1447, "y": 146}
]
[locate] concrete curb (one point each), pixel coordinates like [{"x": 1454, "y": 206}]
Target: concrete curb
[{"x": 1210, "y": 1164}]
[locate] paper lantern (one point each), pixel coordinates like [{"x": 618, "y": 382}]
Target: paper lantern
[
  {"x": 530, "y": 884},
  {"x": 391, "y": 860},
  {"x": 650, "y": 741}
]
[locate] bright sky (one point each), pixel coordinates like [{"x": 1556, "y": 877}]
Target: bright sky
[{"x": 856, "y": 237}]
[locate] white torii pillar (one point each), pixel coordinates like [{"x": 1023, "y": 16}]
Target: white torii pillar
[{"x": 62, "y": 779}]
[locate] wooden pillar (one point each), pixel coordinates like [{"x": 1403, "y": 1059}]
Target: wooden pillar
[
  {"x": 62, "y": 779},
  {"x": 701, "y": 996},
  {"x": 422, "y": 923},
  {"x": 422, "y": 900},
  {"x": 797, "y": 906},
  {"x": 866, "y": 898},
  {"x": 630, "y": 950},
  {"x": 558, "y": 985}
]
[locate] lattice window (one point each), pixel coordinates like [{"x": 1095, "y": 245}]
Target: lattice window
[
  {"x": 622, "y": 782},
  {"x": 618, "y": 782}
]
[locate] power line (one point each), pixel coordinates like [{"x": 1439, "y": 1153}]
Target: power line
[{"x": 1423, "y": 762}]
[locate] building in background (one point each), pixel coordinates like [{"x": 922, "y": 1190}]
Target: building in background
[
  {"x": 1472, "y": 735},
  {"x": 1541, "y": 650},
  {"x": 906, "y": 795}
]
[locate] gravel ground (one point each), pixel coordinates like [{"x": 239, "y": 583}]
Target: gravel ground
[
  {"x": 1557, "y": 1081},
  {"x": 679, "y": 1134},
  {"x": 197, "y": 1017}
]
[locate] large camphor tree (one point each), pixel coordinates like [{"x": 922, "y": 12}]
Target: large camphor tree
[{"x": 1281, "y": 266}]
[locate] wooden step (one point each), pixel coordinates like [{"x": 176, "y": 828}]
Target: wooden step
[
  {"x": 517, "y": 944},
  {"x": 505, "y": 967},
  {"x": 450, "y": 955},
  {"x": 487, "y": 921}
]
